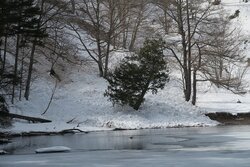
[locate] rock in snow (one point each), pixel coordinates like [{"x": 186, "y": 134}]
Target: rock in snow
[{"x": 54, "y": 149}]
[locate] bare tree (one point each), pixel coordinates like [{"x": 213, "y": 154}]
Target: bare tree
[
  {"x": 138, "y": 14},
  {"x": 134, "y": 16},
  {"x": 124, "y": 13},
  {"x": 49, "y": 11},
  {"x": 207, "y": 48},
  {"x": 101, "y": 20},
  {"x": 219, "y": 56},
  {"x": 163, "y": 17},
  {"x": 187, "y": 15}
]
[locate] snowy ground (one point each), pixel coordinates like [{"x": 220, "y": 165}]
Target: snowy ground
[
  {"x": 82, "y": 103},
  {"x": 80, "y": 100}
]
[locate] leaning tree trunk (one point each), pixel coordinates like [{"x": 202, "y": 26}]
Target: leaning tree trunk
[{"x": 140, "y": 100}]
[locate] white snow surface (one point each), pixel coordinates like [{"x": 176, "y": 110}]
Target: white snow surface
[
  {"x": 53, "y": 149},
  {"x": 82, "y": 103},
  {"x": 79, "y": 99}
]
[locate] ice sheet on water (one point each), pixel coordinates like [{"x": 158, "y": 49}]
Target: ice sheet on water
[
  {"x": 2, "y": 152},
  {"x": 53, "y": 149}
]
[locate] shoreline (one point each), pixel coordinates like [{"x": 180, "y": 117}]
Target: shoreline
[{"x": 223, "y": 119}]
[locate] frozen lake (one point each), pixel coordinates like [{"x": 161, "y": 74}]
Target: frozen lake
[{"x": 222, "y": 146}]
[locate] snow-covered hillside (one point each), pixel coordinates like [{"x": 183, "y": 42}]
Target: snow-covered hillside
[
  {"x": 244, "y": 7},
  {"x": 79, "y": 103},
  {"x": 82, "y": 103},
  {"x": 217, "y": 100}
]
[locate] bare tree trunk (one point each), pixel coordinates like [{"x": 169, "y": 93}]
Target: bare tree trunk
[
  {"x": 166, "y": 25},
  {"x": 138, "y": 22},
  {"x": 134, "y": 34},
  {"x": 125, "y": 38},
  {"x": 27, "y": 88},
  {"x": 124, "y": 33},
  {"x": 164, "y": 6},
  {"x": 21, "y": 79},
  {"x": 15, "y": 79},
  {"x": 221, "y": 67},
  {"x": 194, "y": 87},
  {"x": 106, "y": 60},
  {"x": 100, "y": 63},
  {"x": 100, "y": 67},
  {"x": 4, "y": 53},
  {"x": 140, "y": 100},
  {"x": 187, "y": 78},
  {"x": 196, "y": 68},
  {"x": 189, "y": 81}
]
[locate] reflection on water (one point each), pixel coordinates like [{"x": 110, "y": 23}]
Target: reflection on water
[{"x": 179, "y": 139}]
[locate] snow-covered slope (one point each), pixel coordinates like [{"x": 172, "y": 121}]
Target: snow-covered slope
[
  {"x": 82, "y": 104},
  {"x": 79, "y": 102},
  {"x": 244, "y": 7}
]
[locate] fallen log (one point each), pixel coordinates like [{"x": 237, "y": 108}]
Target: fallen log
[{"x": 28, "y": 118}]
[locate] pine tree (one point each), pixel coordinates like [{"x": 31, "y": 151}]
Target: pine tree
[
  {"x": 36, "y": 33},
  {"x": 28, "y": 29},
  {"x": 2, "y": 29},
  {"x": 137, "y": 75},
  {"x": 2, "y": 6}
]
